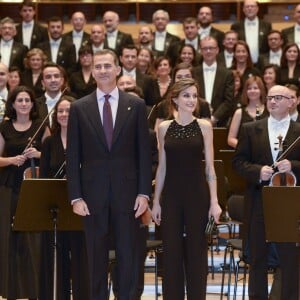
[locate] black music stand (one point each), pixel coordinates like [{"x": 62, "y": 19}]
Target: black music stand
[
  {"x": 282, "y": 214},
  {"x": 43, "y": 206}
]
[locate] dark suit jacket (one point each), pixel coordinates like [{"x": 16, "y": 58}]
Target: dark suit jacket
[
  {"x": 122, "y": 40},
  {"x": 263, "y": 29},
  {"x": 170, "y": 39},
  {"x": 85, "y": 37},
  {"x": 93, "y": 170},
  {"x": 39, "y": 35},
  {"x": 26, "y": 79},
  {"x": 218, "y": 35},
  {"x": 288, "y": 35},
  {"x": 284, "y": 76},
  {"x": 222, "y": 101},
  {"x": 66, "y": 56},
  {"x": 145, "y": 83},
  {"x": 18, "y": 53},
  {"x": 79, "y": 87}
]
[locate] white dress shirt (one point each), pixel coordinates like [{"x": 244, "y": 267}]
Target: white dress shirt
[
  {"x": 159, "y": 40},
  {"x": 77, "y": 40},
  {"x": 54, "y": 46},
  {"x": 27, "y": 29},
  {"x": 50, "y": 102},
  {"x": 5, "y": 51},
  {"x": 252, "y": 34},
  {"x": 297, "y": 34},
  {"x": 204, "y": 32},
  {"x": 112, "y": 39},
  {"x": 113, "y": 100},
  {"x": 275, "y": 57},
  {"x": 275, "y": 129},
  {"x": 131, "y": 73},
  {"x": 209, "y": 74},
  {"x": 228, "y": 58}
]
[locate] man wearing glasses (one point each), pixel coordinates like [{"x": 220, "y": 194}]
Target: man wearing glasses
[
  {"x": 256, "y": 153},
  {"x": 215, "y": 82}
]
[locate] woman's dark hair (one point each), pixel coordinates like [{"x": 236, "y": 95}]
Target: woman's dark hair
[
  {"x": 159, "y": 60},
  {"x": 194, "y": 61},
  {"x": 10, "y": 112},
  {"x": 181, "y": 66},
  {"x": 276, "y": 70},
  {"x": 249, "y": 60},
  {"x": 55, "y": 128},
  {"x": 283, "y": 61}
]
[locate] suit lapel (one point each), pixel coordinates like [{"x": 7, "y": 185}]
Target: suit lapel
[
  {"x": 262, "y": 134},
  {"x": 93, "y": 115}
]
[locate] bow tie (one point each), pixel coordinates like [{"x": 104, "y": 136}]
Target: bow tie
[
  {"x": 209, "y": 69},
  {"x": 159, "y": 34},
  {"x": 275, "y": 55},
  {"x": 298, "y": 28},
  {"x": 54, "y": 44},
  {"x": 279, "y": 124},
  {"x": 27, "y": 25},
  {"x": 228, "y": 56},
  {"x": 251, "y": 23},
  {"x": 77, "y": 34},
  {"x": 6, "y": 44},
  {"x": 111, "y": 34}
]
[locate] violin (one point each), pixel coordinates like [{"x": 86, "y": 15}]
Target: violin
[{"x": 283, "y": 178}]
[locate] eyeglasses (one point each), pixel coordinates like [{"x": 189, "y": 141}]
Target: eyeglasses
[
  {"x": 277, "y": 98},
  {"x": 205, "y": 49}
]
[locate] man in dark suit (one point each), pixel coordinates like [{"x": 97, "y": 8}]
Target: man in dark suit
[
  {"x": 53, "y": 83},
  {"x": 78, "y": 36},
  {"x": 256, "y": 153},
  {"x": 292, "y": 34},
  {"x": 109, "y": 173},
  {"x": 273, "y": 56},
  {"x": 215, "y": 82},
  {"x": 12, "y": 53},
  {"x": 225, "y": 57},
  {"x": 253, "y": 30},
  {"x": 162, "y": 39},
  {"x": 128, "y": 59},
  {"x": 114, "y": 38},
  {"x": 205, "y": 19},
  {"x": 57, "y": 49},
  {"x": 29, "y": 32}
]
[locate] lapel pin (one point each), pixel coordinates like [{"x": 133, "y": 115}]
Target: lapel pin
[{"x": 129, "y": 108}]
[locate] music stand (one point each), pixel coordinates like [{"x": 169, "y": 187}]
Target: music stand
[
  {"x": 282, "y": 214},
  {"x": 43, "y": 206}
]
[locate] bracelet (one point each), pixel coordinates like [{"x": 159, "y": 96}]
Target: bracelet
[{"x": 211, "y": 177}]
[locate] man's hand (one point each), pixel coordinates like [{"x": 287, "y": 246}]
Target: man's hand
[
  {"x": 80, "y": 208},
  {"x": 140, "y": 206}
]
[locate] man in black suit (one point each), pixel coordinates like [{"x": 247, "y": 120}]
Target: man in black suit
[
  {"x": 78, "y": 36},
  {"x": 190, "y": 29},
  {"x": 256, "y": 153},
  {"x": 292, "y": 34},
  {"x": 57, "y": 49},
  {"x": 97, "y": 38},
  {"x": 215, "y": 82},
  {"x": 12, "y": 53},
  {"x": 253, "y": 30},
  {"x": 128, "y": 60},
  {"x": 109, "y": 173},
  {"x": 162, "y": 39},
  {"x": 114, "y": 38},
  {"x": 29, "y": 32},
  {"x": 273, "y": 56},
  {"x": 205, "y": 19},
  {"x": 53, "y": 83},
  {"x": 225, "y": 57}
]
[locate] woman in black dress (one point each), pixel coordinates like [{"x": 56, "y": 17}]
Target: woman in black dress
[
  {"x": 71, "y": 253},
  {"x": 32, "y": 76},
  {"x": 290, "y": 65},
  {"x": 189, "y": 194},
  {"x": 19, "y": 252}
]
